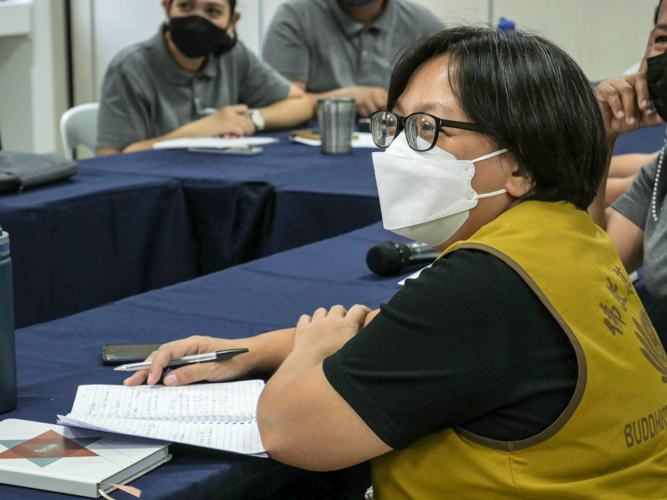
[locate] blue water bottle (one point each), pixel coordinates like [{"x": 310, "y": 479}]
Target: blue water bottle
[
  {"x": 7, "y": 339},
  {"x": 506, "y": 25}
]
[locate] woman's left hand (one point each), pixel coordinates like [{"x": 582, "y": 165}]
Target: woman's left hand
[{"x": 328, "y": 331}]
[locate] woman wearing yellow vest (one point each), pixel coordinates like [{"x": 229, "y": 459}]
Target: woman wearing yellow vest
[{"x": 521, "y": 365}]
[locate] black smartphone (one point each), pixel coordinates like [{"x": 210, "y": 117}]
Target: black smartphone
[{"x": 120, "y": 354}]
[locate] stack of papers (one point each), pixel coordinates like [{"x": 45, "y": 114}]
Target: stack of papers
[{"x": 213, "y": 143}]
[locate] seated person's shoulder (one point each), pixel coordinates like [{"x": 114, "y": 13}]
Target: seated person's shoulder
[
  {"x": 300, "y": 7},
  {"x": 463, "y": 262},
  {"x": 420, "y": 17},
  {"x": 302, "y": 12},
  {"x": 133, "y": 60},
  {"x": 465, "y": 270}
]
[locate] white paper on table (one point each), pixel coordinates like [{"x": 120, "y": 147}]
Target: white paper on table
[
  {"x": 306, "y": 141},
  {"x": 413, "y": 276},
  {"x": 361, "y": 140},
  {"x": 213, "y": 142}
]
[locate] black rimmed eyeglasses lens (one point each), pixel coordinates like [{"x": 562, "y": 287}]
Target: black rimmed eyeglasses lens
[{"x": 421, "y": 129}]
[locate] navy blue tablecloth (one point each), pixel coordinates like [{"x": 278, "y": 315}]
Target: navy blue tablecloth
[
  {"x": 335, "y": 195},
  {"x": 131, "y": 223},
  {"x": 94, "y": 239},
  {"x": 243, "y": 207},
  {"x": 271, "y": 293}
]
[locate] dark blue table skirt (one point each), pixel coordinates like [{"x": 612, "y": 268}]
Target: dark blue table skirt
[
  {"x": 316, "y": 203},
  {"x": 244, "y": 207},
  {"x": 131, "y": 223},
  {"x": 271, "y": 293},
  {"x": 95, "y": 239}
]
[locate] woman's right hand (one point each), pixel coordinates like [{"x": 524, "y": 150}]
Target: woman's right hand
[
  {"x": 237, "y": 367},
  {"x": 625, "y": 105}
]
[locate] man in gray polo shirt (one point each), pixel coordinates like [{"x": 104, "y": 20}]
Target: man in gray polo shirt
[
  {"x": 193, "y": 79},
  {"x": 333, "y": 48}
]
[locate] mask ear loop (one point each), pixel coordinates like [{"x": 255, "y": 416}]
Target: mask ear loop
[
  {"x": 486, "y": 157},
  {"x": 492, "y": 193},
  {"x": 490, "y": 155},
  {"x": 654, "y": 197}
]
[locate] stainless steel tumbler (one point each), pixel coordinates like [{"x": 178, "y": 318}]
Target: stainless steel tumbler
[
  {"x": 336, "y": 121},
  {"x": 8, "y": 389}
]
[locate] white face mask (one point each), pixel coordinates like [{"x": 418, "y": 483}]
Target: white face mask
[{"x": 425, "y": 196}]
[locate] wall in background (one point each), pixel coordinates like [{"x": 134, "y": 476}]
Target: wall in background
[
  {"x": 100, "y": 29},
  {"x": 605, "y": 37},
  {"x": 49, "y": 74},
  {"x": 32, "y": 78}
]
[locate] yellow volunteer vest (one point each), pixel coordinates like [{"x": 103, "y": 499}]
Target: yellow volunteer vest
[{"x": 611, "y": 441}]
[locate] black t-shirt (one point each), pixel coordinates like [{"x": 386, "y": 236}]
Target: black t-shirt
[{"x": 466, "y": 344}]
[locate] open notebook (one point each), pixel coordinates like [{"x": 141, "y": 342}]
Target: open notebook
[{"x": 218, "y": 416}]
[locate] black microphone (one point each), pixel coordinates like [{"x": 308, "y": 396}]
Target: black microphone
[{"x": 392, "y": 257}]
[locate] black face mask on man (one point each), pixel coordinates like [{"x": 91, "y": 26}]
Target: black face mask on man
[
  {"x": 657, "y": 83},
  {"x": 196, "y": 36}
]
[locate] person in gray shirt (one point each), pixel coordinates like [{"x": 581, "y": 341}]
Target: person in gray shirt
[
  {"x": 193, "y": 79},
  {"x": 636, "y": 222},
  {"x": 344, "y": 48}
]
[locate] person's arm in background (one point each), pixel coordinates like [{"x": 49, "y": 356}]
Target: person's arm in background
[
  {"x": 368, "y": 99},
  {"x": 616, "y": 186},
  {"x": 294, "y": 110},
  {"x": 124, "y": 117},
  {"x": 235, "y": 121},
  {"x": 108, "y": 151},
  {"x": 286, "y": 50},
  {"x": 232, "y": 120},
  {"x": 622, "y": 172},
  {"x": 628, "y": 165},
  {"x": 625, "y": 107}
]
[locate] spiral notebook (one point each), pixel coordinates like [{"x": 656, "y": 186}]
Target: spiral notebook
[{"x": 219, "y": 416}]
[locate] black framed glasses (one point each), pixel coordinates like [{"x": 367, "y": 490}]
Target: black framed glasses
[{"x": 421, "y": 129}]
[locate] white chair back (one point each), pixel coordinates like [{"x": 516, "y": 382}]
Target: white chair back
[{"x": 78, "y": 127}]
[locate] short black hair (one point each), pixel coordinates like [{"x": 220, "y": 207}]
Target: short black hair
[
  {"x": 530, "y": 97},
  {"x": 657, "y": 12},
  {"x": 232, "y": 4}
]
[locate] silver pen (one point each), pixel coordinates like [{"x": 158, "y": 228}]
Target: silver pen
[{"x": 185, "y": 360}]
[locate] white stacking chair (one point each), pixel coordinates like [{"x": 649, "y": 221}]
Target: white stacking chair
[{"x": 78, "y": 127}]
